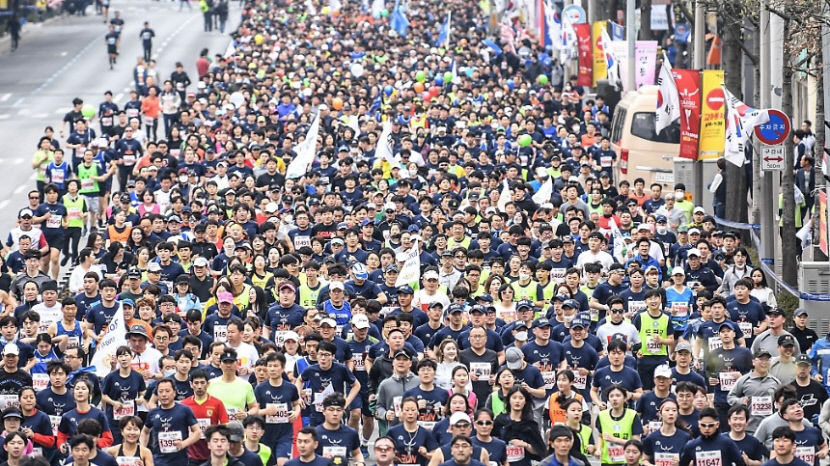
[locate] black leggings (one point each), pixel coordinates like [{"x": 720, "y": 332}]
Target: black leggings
[{"x": 73, "y": 237}]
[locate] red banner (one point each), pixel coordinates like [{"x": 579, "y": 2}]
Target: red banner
[
  {"x": 688, "y": 89},
  {"x": 585, "y": 58}
]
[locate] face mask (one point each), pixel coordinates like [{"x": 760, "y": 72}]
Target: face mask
[
  {"x": 569, "y": 318},
  {"x": 662, "y": 229},
  {"x": 183, "y": 179},
  {"x": 679, "y": 195},
  {"x": 169, "y": 372},
  {"x": 524, "y": 276},
  {"x": 575, "y": 128}
]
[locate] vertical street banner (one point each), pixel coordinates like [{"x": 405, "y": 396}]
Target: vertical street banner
[
  {"x": 688, "y": 89},
  {"x": 822, "y": 221},
  {"x": 645, "y": 54},
  {"x": 600, "y": 70},
  {"x": 584, "y": 58},
  {"x": 712, "y": 116}
]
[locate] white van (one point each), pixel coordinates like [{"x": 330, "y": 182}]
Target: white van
[{"x": 641, "y": 152}]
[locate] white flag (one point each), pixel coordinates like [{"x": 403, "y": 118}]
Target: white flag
[
  {"x": 668, "y": 102},
  {"x": 504, "y": 197},
  {"x": 410, "y": 273},
  {"x": 114, "y": 337},
  {"x": 306, "y": 152},
  {"x": 741, "y": 121},
  {"x": 618, "y": 241},
  {"x": 612, "y": 62},
  {"x": 385, "y": 147},
  {"x": 377, "y": 8},
  {"x": 545, "y": 191}
]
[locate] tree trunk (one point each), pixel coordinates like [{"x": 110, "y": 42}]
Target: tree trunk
[
  {"x": 645, "y": 20},
  {"x": 756, "y": 156},
  {"x": 736, "y": 189},
  {"x": 789, "y": 242}
]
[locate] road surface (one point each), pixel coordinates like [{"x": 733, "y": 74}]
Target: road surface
[{"x": 66, "y": 58}]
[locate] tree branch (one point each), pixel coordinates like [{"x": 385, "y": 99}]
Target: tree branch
[{"x": 688, "y": 14}]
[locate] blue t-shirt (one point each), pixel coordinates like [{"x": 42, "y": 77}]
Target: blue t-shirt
[
  {"x": 750, "y": 445},
  {"x": 496, "y": 447},
  {"x": 317, "y": 461},
  {"x": 278, "y": 426},
  {"x": 605, "y": 377},
  {"x": 338, "y": 377},
  {"x": 407, "y": 444},
  {"x": 656, "y": 442},
  {"x": 166, "y": 425},
  {"x": 337, "y": 444},
  {"x": 100, "y": 316},
  {"x": 123, "y": 389},
  {"x": 432, "y": 412},
  {"x": 584, "y": 357},
  {"x": 648, "y": 404},
  {"x": 71, "y": 419}
]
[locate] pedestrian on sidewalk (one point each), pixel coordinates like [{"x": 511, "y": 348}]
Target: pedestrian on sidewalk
[{"x": 14, "y": 30}]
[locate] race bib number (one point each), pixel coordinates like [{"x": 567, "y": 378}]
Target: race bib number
[
  {"x": 282, "y": 413},
  {"x": 727, "y": 381},
  {"x": 55, "y": 421},
  {"x": 427, "y": 424},
  {"x": 807, "y": 454},
  {"x": 73, "y": 342},
  {"x": 396, "y": 404},
  {"x": 550, "y": 379},
  {"x": 714, "y": 343},
  {"x": 605, "y": 161},
  {"x": 653, "y": 346},
  {"x": 359, "y": 362},
  {"x": 87, "y": 184},
  {"x": 57, "y": 177},
  {"x": 616, "y": 453},
  {"x": 708, "y": 458},
  {"x": 74, "y": 213},
  {"x": 679, "y": 309},
  {"x": 663, "y": 458},
  {"x": 9, "y": 401},
  {"x": 746, "y": 328},
  {"x": 481, "y": 368},
  {"x": 132, "y": 112},
  {"x": 127, "y": 410},
  {"x": 761, "y": 405},
  {"x": 515, "y": 453},
  {"x": 318, "y": 401},
  {"x": 106, "y": 121},
  {"x": 220, "y": 333},
  {"x": 128, "y": 460},
  {"x": 167, "y": 441},
  {"x": 580, "y": 381},
  {"x": 54, "y": 221},
  {"x": 279, "y": 337},
  {"x": 334, "y": 451},
  {"x": 40, "y": 381},
  {"x": 204, "y": 423},
  {"x": 654, "y": 426},
  {"x": 129, "y": 159}
]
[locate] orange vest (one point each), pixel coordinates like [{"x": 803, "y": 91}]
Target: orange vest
[
  {"x": 121, "y": 237},
  {"x": 557, "y": 414}
]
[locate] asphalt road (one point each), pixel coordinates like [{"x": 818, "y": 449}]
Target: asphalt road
[{"x": 66, "y": 58}]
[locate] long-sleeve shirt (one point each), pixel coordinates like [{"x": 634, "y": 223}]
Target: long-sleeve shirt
[
  {"x": 391, "y": 388},
  {"x": 760, "y": 391}
]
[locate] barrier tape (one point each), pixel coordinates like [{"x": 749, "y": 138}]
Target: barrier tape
[{"x": 766, "y": 261}]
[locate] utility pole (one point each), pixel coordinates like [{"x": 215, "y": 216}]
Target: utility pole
[
  {"x": 631, "y": 39},
  {"x": 699, "y": 64},
  {"x": 767, "y": 202}
]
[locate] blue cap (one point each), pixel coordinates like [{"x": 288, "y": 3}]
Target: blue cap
[
  {"x": 661, "y": 219},
  {"x": 539, "y": 323},
  {"x": 578, "y": 323},
  {"x": 453, "y": 308},
  {"x": 571, "y": 303},
  {"x": 413, "y": 228},
  {"x": 524, "y": 303},
  {"x": 729, "y": 325},
  {"x": 405, "y": 289},
  {"x": 128, "y": 301},
  {"x": 366, "y": 222}
]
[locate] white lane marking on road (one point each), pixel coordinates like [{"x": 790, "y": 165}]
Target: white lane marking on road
[
  {"x": 4, "y": 116},
  {"x": 6, "y": 97},
  {"x": 18, "y": 161},
  {"x": 33, "y": 176},
  {"x": 18, "y": 102},
  {"x": 65, "y": 67},
  {"x": 4, "y": 203},
  {"x": 21, "y": 188},
  {"x": 63, "y": 54},
  {"x": 118, "y": 97},
  {"x": 41, "y": 116}
]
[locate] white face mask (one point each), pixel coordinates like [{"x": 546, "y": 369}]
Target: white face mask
[
  {"x": 679, "y": 195},
  {"x": 169, "y": 372},
  {"x": 575, "y": 128},
  {"x": 524, "y": 276},
  {"x": 662, "y": 229}
]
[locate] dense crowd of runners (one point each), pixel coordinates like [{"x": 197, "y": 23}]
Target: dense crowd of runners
[{"x": 407, "y": 298}]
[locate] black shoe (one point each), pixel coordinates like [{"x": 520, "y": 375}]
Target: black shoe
[{"x": 64, "y": 260}]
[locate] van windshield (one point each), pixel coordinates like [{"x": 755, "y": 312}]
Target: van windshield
[{"x": 642, "y": 126}]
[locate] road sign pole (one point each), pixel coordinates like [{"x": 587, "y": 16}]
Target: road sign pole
[
  {"x": 769, "y": 199},
  {"x": 699, "y": 63}
]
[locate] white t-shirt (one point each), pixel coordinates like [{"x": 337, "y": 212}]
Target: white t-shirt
[
  {"x": 588, "y": 257},
  {"x": 247, "y": 355}
]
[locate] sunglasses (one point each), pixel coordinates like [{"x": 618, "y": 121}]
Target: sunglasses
[
  {"x": 708, "y": 425},
  {"x": 462, "y": 424},
  {"x": 383, "y": 449},
  {"x": 484, "y": 423},
  {"x": 617, "y": 311}
]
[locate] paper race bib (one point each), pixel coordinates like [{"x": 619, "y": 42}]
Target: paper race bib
[
  {"x": 396, "y": 404},
  {"x": 653, "y": 346},
  {"x": 481, "y": 368},
  {"x": 663, "y": 458},
  {"x": 359, "y": 362},
  {"x": 807, "y": 454},
  {"x": 515, "y": 453},
  {"x": 55, "y": 421},
  {"x": 746, "y": 328},
  {"x": 727, "y": 381},
  {"x": 334, "y": 451},
  {"x": 282, "y": 413},
  {"x": 127, "y": 410},
  {"x": 8, "y": 401},
  {"x": 40, "y": 381},
  {"x": 550, "y": 379},
  {"x": 74, "y": 213},
  {"x": 427, "y": 424},
  {"x": 87, "y": 184},
  {"x": 714, "y": 343},
  {"x": 708, "y": 458},
  {"x": 167, "y": 441},
  {"x": 57, "y": 176},
  {"x": 36, "y": 451},
  {"x": 204, "y": 423},
  {"x": 220, "y": 333},
  {"x": 761, "y": 405},
  {"x": 128, "y": 460},
  {"x": 580, "y": 381},
  {"x": 605, "y": 161},
  {"x": 616, "y": 453},
  {"x": 679, "y": 308}
]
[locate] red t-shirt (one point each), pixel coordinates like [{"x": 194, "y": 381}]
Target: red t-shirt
[{"x": 211, "y": 412}]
